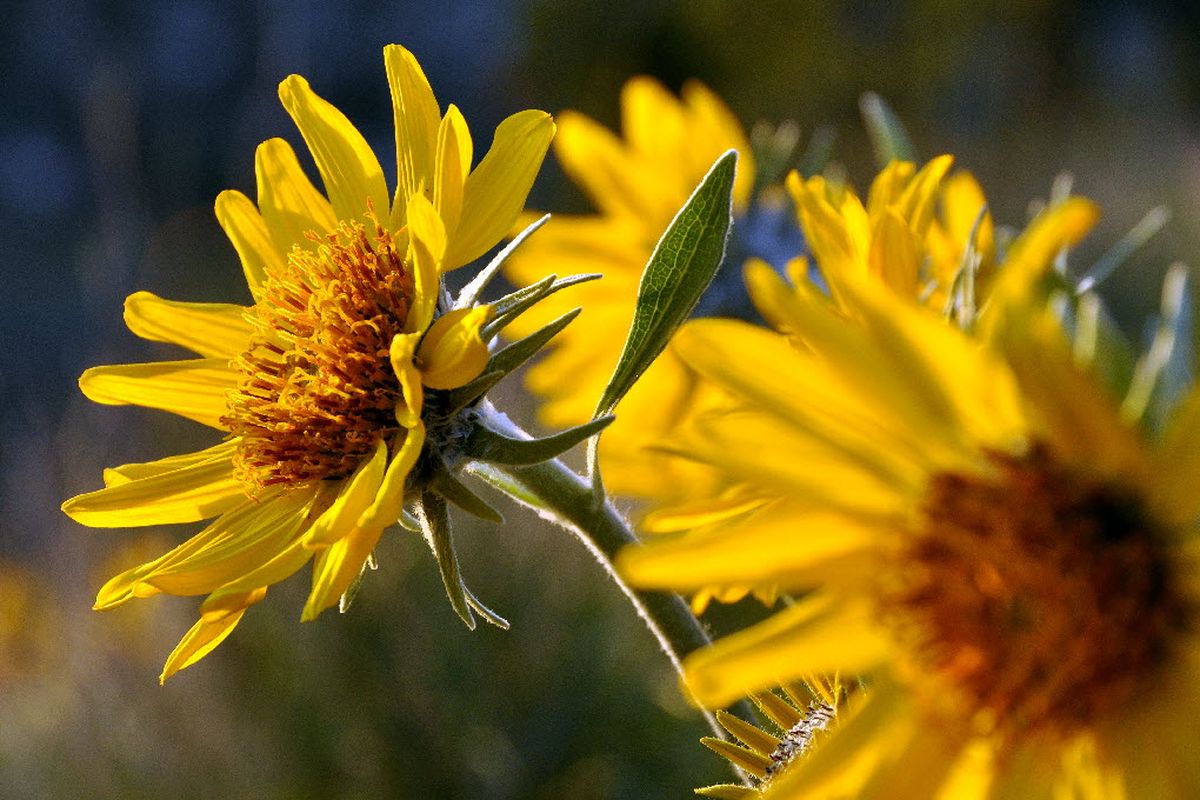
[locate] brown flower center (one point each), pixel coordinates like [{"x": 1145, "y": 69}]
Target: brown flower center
[
  {"x": 317, "y": 389},
  {"x": 1046, "y": 597}
]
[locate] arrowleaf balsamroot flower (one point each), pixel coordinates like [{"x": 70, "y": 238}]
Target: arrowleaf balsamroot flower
[
  {"x": 339, "y": 388},
  {"x": 970, "y": 526}
]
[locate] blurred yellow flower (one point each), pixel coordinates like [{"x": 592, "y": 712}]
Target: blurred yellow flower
[
  {"x": 970, "y": 526},
  {"x": 916, "y": 230},
  {"x": 637, "y": 184},
  {"x": 319, "y": 385}
]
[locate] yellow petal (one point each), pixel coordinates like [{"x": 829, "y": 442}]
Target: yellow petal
[
  {"x": 953, "y": 383},
  {"x": 698, "y": 513},
  {"x": 1079, "y": 420},
  {"x": 427, "y": 244},
  {"x": 917, "y": 202},
  {"x": 495, "y": 191},
  {"x": 198, "y": 642},
  {"x": 962, "y": 200},
  {"x": 352, "y": 175},
  {"x": 188, "y": 494},
  {"x": 806, "y": 549},
  {"x": 415, "y": 110},
  {"x": 1176, "y": 488},
  {"x": 195, "y": 388},
  {"x": 809, "y": 393},
  {"x": 357, "y": 493},
  {"x": 825, "y": 230},
  {"x": 230, "y": 597},
  {"x": 710, "y": 114},
  {"x": 236, "y": 544},
  {"x": 1031, "y": 257},
  {"x": 401, "y": 354},
  {"x": 919, "y": 768},
  {"x": 453, "y": 162},
  {"x": 217, "y": 330},
  {"x": 893, "y": 257},
  {"x": 452, "y": 354},
  {"x": 820, "y": 634},
  {"x": 653, "y": 121},
  {"x": 114, "y": 476},
  {"x": 888, "y": 186},
  {"x": 244, "y": 226},
  {"x": 596, "y": 161},
  {"x": 336, "y": 568},
  {"x": 128, "y": 584},
  {"x": 749, "y": 446},
  {"x": 290, "y": 205},
  {"x": 389, "y": 499}
]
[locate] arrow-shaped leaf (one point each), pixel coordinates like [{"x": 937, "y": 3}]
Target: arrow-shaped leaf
[{"x": 679, "y": 270}]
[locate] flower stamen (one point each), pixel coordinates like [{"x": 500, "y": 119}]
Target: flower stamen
[{"x": 317, "y": 389}]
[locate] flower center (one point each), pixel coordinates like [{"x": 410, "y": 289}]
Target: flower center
[
  {"x": 1045, "y": 597},
  {"x": 317, "y": 389}
]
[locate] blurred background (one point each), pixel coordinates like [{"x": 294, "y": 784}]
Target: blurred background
[{"x": 119, "y": 124}]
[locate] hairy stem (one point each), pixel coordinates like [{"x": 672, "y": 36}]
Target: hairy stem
[{"x": 559, "y": 494}]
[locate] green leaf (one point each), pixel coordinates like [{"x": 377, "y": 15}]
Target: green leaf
[
  {"x": 888, "y": 136},
  {"x": 484, "y": 444},
  {"x": 680, "y": 269}
]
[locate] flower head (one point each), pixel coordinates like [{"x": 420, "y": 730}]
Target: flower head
[
  {"x": 972, "y": 527},
  {"x": 339, "y": 386}
]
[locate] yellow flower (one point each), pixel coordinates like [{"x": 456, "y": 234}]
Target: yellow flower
[
  {"x": 320, "y": 385},
  {"x": 917, "y": 227},
  {"x": 973, "y": 528},
  {"x": 637, "y": 184}
]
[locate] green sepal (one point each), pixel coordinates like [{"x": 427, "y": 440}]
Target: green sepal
[
  {"x": 461, "y": 397},
  {"x": 511, "y": 306},
  {"x": 484, "y": 444},
  {"x": 485, "y": 612},
  {"x": 469, "y": 295},
  {"x": 1125, "y": 247},
  {"x": 453, "y": 490},
  {"x": 436, "y": 524},
  {"x": 514, "y": 355},
  {"x": 817, "y": 154},
  {"x": 1101, "y": 345},
  {"x": 1163, "y": 374},
  {"x": 889, "y": 138}
]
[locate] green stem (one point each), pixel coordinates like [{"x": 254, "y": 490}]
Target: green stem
[{"x": 556, "y": 492}]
